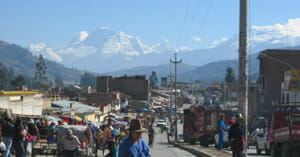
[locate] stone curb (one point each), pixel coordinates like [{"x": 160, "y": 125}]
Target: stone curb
[{"x": 193, "y": 151}]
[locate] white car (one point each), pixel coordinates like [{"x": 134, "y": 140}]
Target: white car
[
  {"x": 225, "y": 142},
  {"x": 261, "y": 140},
  {"x": 161, "y": 122}
]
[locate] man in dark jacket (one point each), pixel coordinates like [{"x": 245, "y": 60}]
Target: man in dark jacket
[
  {"x": 8, "y": 134},
  {"x": 236, "y": 133}
]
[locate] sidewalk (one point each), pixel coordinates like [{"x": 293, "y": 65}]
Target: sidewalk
[{"x": 201, "y": 151}]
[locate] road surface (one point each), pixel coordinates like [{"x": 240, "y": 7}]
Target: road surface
[{"x": 163, "y": 149}]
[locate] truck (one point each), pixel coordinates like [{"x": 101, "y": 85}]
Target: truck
[
  {"x": 284, "y": 133},
  {"x": 200, "y": 124}
]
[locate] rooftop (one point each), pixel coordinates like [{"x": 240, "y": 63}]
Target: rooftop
[{"x": 77, "y": 106}]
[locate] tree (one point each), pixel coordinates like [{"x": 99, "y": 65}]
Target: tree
[
  {"x": 18, "y": 82},
  {"x": 3, "y": 76},
  {"x": 230, "y": 77},
  {"x": 153, "y": 80},
  {"x": 88, "y": 79},
  {"x": 41, "y": 79},
  {"x": 59, "y": 81}
]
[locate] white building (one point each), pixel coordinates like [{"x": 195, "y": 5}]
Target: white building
[{"x": 22, "y": 102}]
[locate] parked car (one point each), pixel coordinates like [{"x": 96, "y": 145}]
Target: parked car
[
  {"x": 252, "y": 138},
  {"x": 225, "y": 142},
  {"x": 261, "y": 141},
  {"x": 161, "y": 122}
]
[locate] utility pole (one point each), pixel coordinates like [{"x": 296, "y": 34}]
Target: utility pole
[
  {"x": 170, "y": 103},
  {"x": 243, "y": 66},
  {"x": 175, "y": 62}
]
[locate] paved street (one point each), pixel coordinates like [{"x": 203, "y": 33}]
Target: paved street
[
  {"x": 163, "y": 149},
  {"x": 251, "y": 151}
]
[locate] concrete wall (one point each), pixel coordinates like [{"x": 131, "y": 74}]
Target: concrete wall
[{"x": 23, "y": 104}]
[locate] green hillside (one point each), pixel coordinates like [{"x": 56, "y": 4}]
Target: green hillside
[{"x": 23, "y": 62}]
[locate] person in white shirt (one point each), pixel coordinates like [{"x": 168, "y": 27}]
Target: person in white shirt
[{"x": 70, "y": 143}]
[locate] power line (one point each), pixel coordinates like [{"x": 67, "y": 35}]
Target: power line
[
  {"x": 205, "y": 16},
  {"x": 192, "y": 20},
  {"x": 184, "y": 22}
]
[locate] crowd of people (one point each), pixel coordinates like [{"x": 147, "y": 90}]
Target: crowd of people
[
  {"x": 18, "y": 135},
  {"x": 236, "y": 135}
]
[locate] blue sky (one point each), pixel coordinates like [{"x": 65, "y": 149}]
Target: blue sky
[{"x": 56, "y": 22}]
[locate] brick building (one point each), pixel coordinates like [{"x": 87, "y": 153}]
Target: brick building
[
  {"x": 136, "y": 86},
  {"x": 273, "y": 64},
  {"x": 164, "y": 82}
]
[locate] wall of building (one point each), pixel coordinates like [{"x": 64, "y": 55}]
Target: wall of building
[
  {"x": 23, "y": 104},
  {"x": 137, "y": 87},
  {"x": 273, "y": 64}
]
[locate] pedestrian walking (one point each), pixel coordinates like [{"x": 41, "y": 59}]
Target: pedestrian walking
[
  {"x": 134, "y": 146},
  {"x": 32, "y": 129},
  {"x": 51, "y": 133},
  {"x": 235, "y": 136},
  {"x": 221, "y": 130},
  {"x": 109, "y": 138},
  {"x": 70, "y": 143},
  {"x": 8, "y": 134},
  {"x": 19, "y": 138},
  {"x": 151, "y": 134}
]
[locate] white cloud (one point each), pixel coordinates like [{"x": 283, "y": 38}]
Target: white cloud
[
  {"x": 80, "y": 51},
  {"x": 37, "y": 47},
  {"x": 276, "y": 41},
  {"x": 41, "y": 48},
  {"x": 218, "y": 42},
  {"x": 277, "y": 31},
  {"x": 197, "y": 39},
  {"x": 52, "y": 55},
  {"x": 105, "y": 28},
  {"x": 183, "y": 49}
]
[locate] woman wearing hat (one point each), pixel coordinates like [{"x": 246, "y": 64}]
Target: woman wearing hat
[
  {"x": 235, "y": 136},
  {"x": 134, "y": 146}
]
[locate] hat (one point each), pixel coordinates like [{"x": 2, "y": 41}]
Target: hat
[
  {"x": 136, "y": 126},
  {"x": 31, "y": 121},
  {"x": 231, "y": 122},
  {"x": 69, "y": 132},
  {"x": 239, "y": 116}
]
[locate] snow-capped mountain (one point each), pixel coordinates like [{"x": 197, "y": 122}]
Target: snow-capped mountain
[{"x": 106, "y": 50}]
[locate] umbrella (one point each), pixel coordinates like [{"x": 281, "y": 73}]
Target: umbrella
[
  {"x": 119, "y": 123},
  {"x": 51, "y": 118}
]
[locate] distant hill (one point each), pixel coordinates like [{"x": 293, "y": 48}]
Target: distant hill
[
  {"x": 161, "y": 70},
  {"x": 23, "y": 62},
  {"x": 216, "y": 71},
  {"x": 208, "y": 73}
]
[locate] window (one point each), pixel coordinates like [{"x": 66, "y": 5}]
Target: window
[
  {"x": 287, "y": 98},
  {"x": 282, "y": 98},
  {"x": 16, "y": 98}
]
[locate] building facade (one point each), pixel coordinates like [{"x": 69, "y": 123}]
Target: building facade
[
  {"x": 136, "y": 86},
  {"x": 273, "y": 64},
  {"x": 23, "y": 102}
]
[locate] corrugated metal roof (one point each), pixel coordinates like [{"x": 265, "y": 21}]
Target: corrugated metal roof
[{"x": 78, "y": 106}]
